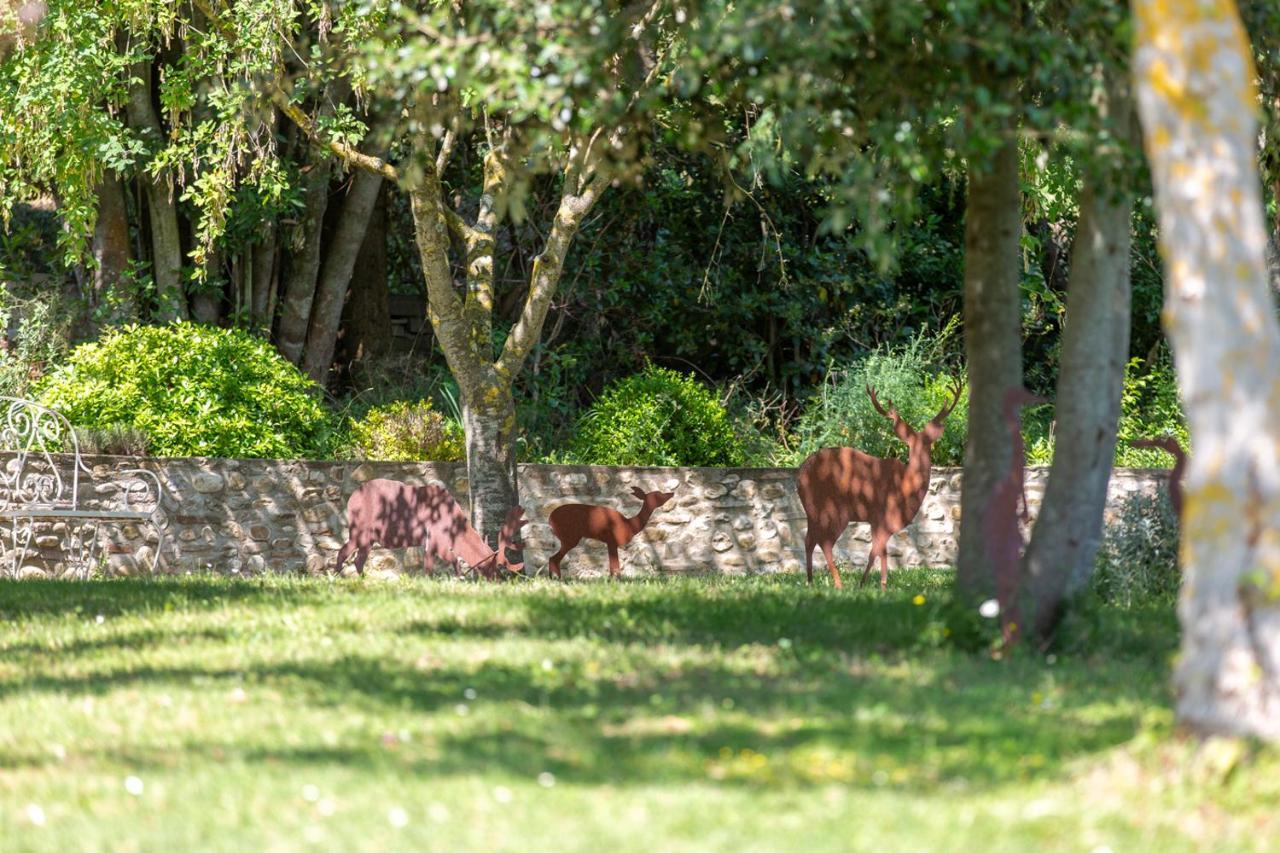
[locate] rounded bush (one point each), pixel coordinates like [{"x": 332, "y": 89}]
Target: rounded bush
[
  {"x": 192, "y": 391},
  {"x": 407, "y": 432},
  {"x": 657, "y": 417}
]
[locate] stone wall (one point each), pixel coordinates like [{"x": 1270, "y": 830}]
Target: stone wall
[{"x": 252, "y": 516}]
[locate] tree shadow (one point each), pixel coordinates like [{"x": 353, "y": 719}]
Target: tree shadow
[{"x": 924, "y": 732}]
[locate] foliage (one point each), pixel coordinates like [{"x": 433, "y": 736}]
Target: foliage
[
  {"x": 113, "y": 440},
  {"x": 657, "y": 417},
  {"x": 41, "y": 323},
  {"x": 1138, "y": 560},
  {"x": 912, "y": 378},
  {"x": 407, "y": 432},
  {"x": 1150, "y": 407},
  {"x": 193, "y": 391}
]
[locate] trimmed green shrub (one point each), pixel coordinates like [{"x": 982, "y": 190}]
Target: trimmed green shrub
[
  {"x": 192, "y": 391},
  {"x": 656, "y": 417},
  {"x": 407, "y": 432},
  {"x": 911, "y": 378}
]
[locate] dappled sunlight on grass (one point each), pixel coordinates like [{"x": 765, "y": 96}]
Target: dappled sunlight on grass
[{"x": 679, "y": 698}]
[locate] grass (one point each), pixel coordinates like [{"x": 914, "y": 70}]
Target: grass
[{"x": 736, "y": 714}]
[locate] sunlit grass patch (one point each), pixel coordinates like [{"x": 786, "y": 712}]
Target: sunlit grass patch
[{"x": 750, "y": 713}]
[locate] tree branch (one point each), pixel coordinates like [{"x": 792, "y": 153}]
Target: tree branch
[
  {"x": 351, "y": 156},
  {"x": 588, "y": 176}
]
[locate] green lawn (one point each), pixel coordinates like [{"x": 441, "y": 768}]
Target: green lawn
[{"x": 736, "y": 714}]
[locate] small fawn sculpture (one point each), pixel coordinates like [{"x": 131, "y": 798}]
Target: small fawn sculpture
[
  {"x": 840, "y": 485},
  {"x": 1000, "y": 521},
  {"x": 398, "y": 515},
  {"x": 1170, "y": 445},
  {"x": 574, "y": 522}
]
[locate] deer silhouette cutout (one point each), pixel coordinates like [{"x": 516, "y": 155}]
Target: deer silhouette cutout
[
  {"x": 840, "y": 485},
  {"x": 574, "y": 522},
  {"x": 1170, "y": 445},
  {"x": 398, "y": 515},
  {"x": 1000, "y": 529}
]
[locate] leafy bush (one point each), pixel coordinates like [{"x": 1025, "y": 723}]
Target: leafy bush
[
  {"x": 656, "y": 417},
  {"x": 1149, "y": 407},
  {"x": 1138, "y": 560},
  {"x": 912, "y": 378},
  {"x": 407, "y": 432},
  {"x": 193, "y": 391}
]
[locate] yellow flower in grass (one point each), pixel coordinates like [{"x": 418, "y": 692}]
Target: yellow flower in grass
[{"x": 918, "y": 600}]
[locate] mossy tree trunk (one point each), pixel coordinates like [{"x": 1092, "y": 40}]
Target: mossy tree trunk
[
  {"x": 1194, "y": 80},
  {"x": 1095, "y": 347}
]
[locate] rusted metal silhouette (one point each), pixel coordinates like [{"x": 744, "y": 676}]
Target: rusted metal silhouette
[
  {"x": 574, "y": 522},
  {"x": 840, "y": 485},
  {"x": 1170, "y": 445},
  {"x": 1000, "y": 521},
  {"x": 398, "y": 515}
]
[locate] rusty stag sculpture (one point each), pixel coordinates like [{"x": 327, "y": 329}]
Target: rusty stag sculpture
[
  {"x": 1170, "y": 445},
  {"x": 398, "y": 515},
  {"x": 840, "y": 485},
  {"x": 574, "y": 522},
  {"x": 1000, "y": 521}
]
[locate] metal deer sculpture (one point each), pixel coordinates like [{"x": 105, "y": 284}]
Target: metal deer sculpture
[
  {"x": 1170, "y": 445},
  {"x": 398, "y": 515},
  {"x": 840, "y": 485},
  {"x": 1000, "y": 521},
  {"x": 574, "y": 522}
]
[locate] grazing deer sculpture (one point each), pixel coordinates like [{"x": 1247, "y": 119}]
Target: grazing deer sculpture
[
  {"x": 1170, "y": 445},
  {"x": 398, "y": 515},
  {"x": 840, "y": 485},
  {"x": 1000, "y": 521},
  {"x": 574, "y": 522}
]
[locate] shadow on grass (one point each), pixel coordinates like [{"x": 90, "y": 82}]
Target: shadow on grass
[
  {"x": 854, "y": 691},
  {"x": 132, "y": 595},
  {"x": 810, "y": 620},
  {"x": 959, "y": 720}
]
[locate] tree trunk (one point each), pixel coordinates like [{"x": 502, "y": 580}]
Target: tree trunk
[
  {"x": 331, "y": 293},
  {"x": 489, "y": 421},
  {"x": 162, "y": 210},
  {"x": 367, "y": 319},
  {"x": 262, "y": 275},
  {"x": 114, "y": 302},
  {"x": 1195, "y": 78},
  {"x": 993, "y": 348},
  {"x": 1095, "y": 346},
  {"x": 304, "y": 265}
]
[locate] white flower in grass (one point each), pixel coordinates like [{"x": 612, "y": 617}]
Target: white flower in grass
[
  {"x": 35, "y": 814},
  {"x": 989, "y": 609},
  {"x": 398, "y": 817},
  {"x": 310, "y": 793},
  {"x": 502, "y": 794},
  {"x": 100, "y": 619},
  {"x": 133, "y": 785},
  {"x": 546, "y": 780}
]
